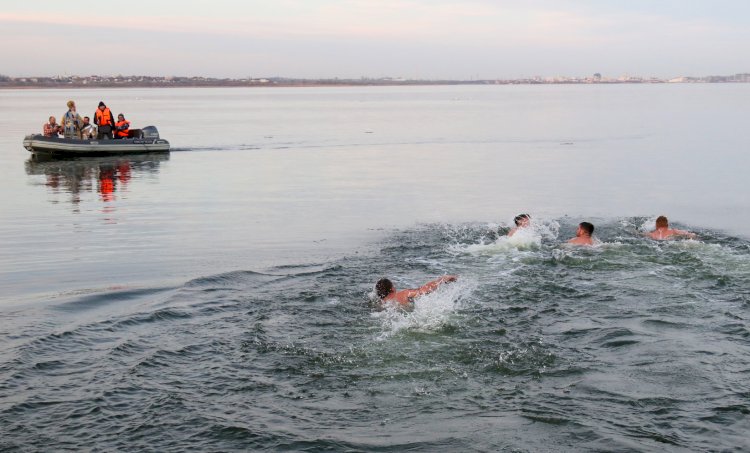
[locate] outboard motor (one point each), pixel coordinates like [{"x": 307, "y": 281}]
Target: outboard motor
[{"x": 150, "y": 133}]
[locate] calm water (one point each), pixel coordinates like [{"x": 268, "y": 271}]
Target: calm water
[{"x": 216, "y": 299}]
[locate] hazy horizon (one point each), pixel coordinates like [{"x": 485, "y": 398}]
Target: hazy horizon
[
  {"x": 383, "y": 77},
  {"x": 416, "y": 39}
]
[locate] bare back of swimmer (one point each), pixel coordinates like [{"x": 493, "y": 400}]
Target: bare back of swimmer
[
  {"x": 663, "y": 231},
  {"x": 387, "y": 292}
]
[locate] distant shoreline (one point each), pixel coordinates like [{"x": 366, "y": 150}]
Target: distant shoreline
[
  {"x": 142, "y": 81},
  {"x": 77, "y": 82},
  {"x": 325, "y": 85}
]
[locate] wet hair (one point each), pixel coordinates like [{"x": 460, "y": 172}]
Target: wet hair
[
  {"x": 517, "y": 219},
  {"x": 662, "y": 222},
  {"x": 587, "y": 227},
  {"x": 383, "y": 287}
]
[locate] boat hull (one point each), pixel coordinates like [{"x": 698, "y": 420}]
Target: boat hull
[{"x": 53, "y": 146}]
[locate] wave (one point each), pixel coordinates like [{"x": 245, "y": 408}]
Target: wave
[{"x": 614, "y": 336}]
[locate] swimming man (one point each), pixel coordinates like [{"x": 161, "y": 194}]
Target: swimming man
[
  {"x": 583, "y": 234},
  {"x": 663, "y": 231},
  {"x": 521, "y": 221},
  {"x": 387, "y": 292}
]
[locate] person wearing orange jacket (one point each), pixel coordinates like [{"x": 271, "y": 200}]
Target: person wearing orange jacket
[
  {"x": 104, "y": 121},
  {"x": 122, "y": 127}
]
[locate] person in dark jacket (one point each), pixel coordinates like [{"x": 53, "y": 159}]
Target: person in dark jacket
[
  {"x": 88, "y": 131},
  {"x": 104, "y": 121}
]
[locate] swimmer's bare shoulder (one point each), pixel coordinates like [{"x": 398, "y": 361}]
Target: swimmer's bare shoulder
[
  {"x": 388, "y": 293},
  {"x": 662, "y": 231},
  {"x": 664, "y": 234}
]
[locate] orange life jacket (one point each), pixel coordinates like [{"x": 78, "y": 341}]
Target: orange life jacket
[
  {"x": 103, "y": 118},
  {"x": 122, "y": 133}
]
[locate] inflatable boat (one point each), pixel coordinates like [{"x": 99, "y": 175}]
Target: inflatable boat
[{"x": 139, "y": 141}]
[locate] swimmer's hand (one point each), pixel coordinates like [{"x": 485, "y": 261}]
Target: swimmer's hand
[{"x": 429, "y": 287}]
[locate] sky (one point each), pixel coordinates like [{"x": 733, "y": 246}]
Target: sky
[{"x": 425, "y": 39}]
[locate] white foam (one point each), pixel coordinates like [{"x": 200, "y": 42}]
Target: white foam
[
  {"x": 690, "y": 243},
  {"x": 596, "y": 244},
  {"x": 561, "y": 254},
  {"x": 518, "y": 241},
  {"x": 648, "y": 225},
  {"x": 529, "y": 238},
  {"x": 429, "y": 313}
]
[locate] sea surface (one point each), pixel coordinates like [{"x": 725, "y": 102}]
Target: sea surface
[{"x": 219, "y": 298}]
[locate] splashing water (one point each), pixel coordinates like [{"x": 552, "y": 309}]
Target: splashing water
[
  {"x": 529, "y": 238},
  {"x": 538, "y": 346},
  {"x": 428, "y": 313}
]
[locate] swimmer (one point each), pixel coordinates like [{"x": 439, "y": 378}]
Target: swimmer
[
  {"x": 663, "y": 231},
  {"x": 387, "y": 293},
  {"x": 583, "y": 234},
  {"x": 521, "y": 221}
]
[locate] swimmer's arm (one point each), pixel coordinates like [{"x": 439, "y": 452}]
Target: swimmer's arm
[
  {"x": 432, "y": 286},
  {"x": 512, "y": 231},
  {"x": 405, "y": 296},
  {"x": 685, "y": 233}
]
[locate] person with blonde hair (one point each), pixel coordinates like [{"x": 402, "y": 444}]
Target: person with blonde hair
[{"x": 71, "y": 122}]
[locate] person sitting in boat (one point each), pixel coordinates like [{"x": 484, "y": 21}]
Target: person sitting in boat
[
  {"x": 52, "y": 129},
  {"x": 88, "y": 131},
  {"x": 122, "y": 127},
  {"x": 71, "y": 122},
  {"x": 104, "y": 122}
]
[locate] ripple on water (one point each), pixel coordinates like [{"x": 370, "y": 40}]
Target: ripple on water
[{"x": 630, "y": 345}]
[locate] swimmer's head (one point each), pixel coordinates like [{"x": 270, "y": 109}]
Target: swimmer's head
[
  {"x": 383, "y": 287},
  {"x": 662, "y": 222},
  {"x": 522, "y": 220},
  {"x": 586, "y": 228}
]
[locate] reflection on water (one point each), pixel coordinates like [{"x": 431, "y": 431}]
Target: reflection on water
[{"x": 105, "y": 175}]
